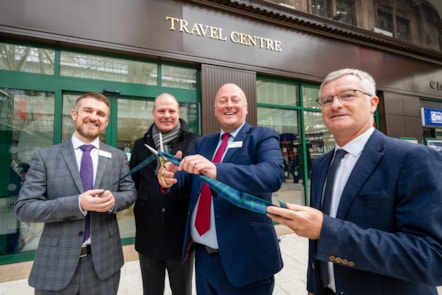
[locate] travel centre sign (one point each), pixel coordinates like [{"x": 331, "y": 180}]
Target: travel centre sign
[{"x": 218, "y": 34}]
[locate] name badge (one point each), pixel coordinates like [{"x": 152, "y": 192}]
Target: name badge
[
  {"x": 104, "y": 154},
  {"x": 235, "y": 144}
]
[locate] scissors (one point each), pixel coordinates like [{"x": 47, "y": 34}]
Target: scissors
[{"x": 162, "y": 158}]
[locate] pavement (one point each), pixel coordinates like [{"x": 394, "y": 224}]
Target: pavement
[{"x": 291, "y": 280}]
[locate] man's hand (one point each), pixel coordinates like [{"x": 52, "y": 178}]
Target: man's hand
[
  {"x": 304, "y": 221},
  {"x": 197, "y": 164},
  {"x": 97, "y": 200},
  {"x": 166, "y": 174}
]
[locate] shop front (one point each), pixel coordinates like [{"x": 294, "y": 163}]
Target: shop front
[{"x": 134, "y": 50}]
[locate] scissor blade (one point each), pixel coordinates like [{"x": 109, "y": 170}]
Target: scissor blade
[{"x": 154, "y": 151}]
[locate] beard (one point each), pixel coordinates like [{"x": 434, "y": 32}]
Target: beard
[{"x": 89, "y": 132}]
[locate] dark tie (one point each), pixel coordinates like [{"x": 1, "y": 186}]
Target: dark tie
[
  {"x": 202, "y": 219},
  {"x": 87, "y": 178},
  {"x": 326, "y": 203}
]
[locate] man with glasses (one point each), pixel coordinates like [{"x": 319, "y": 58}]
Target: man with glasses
[{"x": 376, "y": 228}]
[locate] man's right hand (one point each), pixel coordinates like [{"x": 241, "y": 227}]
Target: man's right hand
[{"x": 166, "y": 174}]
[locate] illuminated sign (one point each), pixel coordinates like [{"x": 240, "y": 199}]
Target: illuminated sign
[{"x": 431, "y": 117}]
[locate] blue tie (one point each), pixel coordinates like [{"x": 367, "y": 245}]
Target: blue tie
[
  {"x": 87, "y": 178},
  {"x": 326, "y": 204}
]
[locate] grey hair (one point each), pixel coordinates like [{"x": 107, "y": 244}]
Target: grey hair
[{"x": 367, "y": 80}]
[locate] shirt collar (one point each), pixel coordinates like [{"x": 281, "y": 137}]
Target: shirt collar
[
  {"x": 76, "y": 142},
  {"x": 356, "y": 145},
  {"x": 234, "y": 133}
]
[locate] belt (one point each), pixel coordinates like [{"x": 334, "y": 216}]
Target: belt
[
  {"x": 85, "y": 251},
  {"x": 328, "y": 291},
  {"x": 210, "y": 250}
]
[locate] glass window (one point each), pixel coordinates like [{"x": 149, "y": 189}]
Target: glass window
[
  {"x": 440, "y": 40},
  {"x": 403, "y": 28},
  {"x": 277, "y": 93},
  {"x": 26, "y": 125},
  {"x": 309, "y": 96},
  {"x": 344, "y": 11},
  {"x": 135, "y": 117},
  {"x": 78, "y": 65},
  {"x": 283, "y": 121},
  {"x": 321, "y": 8},
  {"x": 178, "y": 77},
  {"x": 384, "y": 21},
  {"x": 26, "y": 59},
  {"x": 319, "y": 139},
  {"x": 287, "y": 124}
]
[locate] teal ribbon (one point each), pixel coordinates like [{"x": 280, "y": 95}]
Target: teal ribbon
[
  {"x": 237, "y": 198},
  {"x": 133, "y": 170}
]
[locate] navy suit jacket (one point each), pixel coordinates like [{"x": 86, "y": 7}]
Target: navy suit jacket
[
  {"x": 387, "y": 235},
  {"x": 248, "y": 245}
]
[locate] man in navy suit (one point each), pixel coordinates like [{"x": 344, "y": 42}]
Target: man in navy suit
[
  {"x": 239, "y": 254},
  {"x": 384, "y": 231}
]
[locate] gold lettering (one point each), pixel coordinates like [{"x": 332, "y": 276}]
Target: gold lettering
[
  {"x": 278, "y": 46},
  {"x": 255, "y": 41},
  {"x": 172, "y": 21},
  {"x": 216, "y": 33},
  {"x": 183, "y": 26},
  {"x": 199, "y": 30},
  {"x": 234, "y": 37}
]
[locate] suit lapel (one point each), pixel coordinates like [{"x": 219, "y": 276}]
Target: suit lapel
[
  {"x": 67, "y": 150},
  {"x": 322, "y": 169},
  {"x": 241, "y": 136},
  {"x": 366, "y": 164},
  {"x": 102, "y": 165}
]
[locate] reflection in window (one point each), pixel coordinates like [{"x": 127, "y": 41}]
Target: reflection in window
[
  {"x": 315, "y": 132},
  {"x": 309, "y": 96},
  {"x": 106, "y": 68},
  {"x": 344, "y": 11},
  {"x": 276, "y": 93},
  {"x": 178, "y": 77},
  {"x": 384, "y": 21},
  {"x": 403, "y": 28},
  {"x": 440, "y": 40},
  {"x": 26, "y": 59},
  {"x": 321, "y": 8},
  {"x": 283, "y": 121},
  {"x": 26, "y": 125}
]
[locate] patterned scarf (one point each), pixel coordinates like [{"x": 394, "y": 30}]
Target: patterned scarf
[{"x": 167, "y": 137}]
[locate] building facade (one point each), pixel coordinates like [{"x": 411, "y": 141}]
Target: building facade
[{"x": 277, "y": 51}]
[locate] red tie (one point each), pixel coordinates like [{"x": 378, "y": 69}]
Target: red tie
[{"x": 202, "y": 219}]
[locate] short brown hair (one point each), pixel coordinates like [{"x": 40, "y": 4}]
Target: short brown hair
[{"x": 96, "y": 95}]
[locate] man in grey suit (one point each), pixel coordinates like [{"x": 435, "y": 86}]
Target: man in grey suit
[{"x": 67, "y": 262}]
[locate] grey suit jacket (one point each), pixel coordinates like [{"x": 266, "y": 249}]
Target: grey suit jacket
[{"x": 50, "y": 195}]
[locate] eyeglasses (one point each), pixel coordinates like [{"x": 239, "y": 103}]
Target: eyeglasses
[{"x": 344, "y": 96}]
